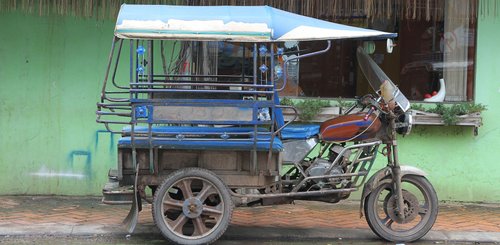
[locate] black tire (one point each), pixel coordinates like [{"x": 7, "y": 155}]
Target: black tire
[
  {"x": 192, "y": 206},
  {"x": 419, "y": 221}
]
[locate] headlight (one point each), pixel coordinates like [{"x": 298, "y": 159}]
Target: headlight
[{"x": 404, "y": 123}]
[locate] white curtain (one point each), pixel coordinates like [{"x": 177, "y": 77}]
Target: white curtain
[{"x": 455, "y": 43}]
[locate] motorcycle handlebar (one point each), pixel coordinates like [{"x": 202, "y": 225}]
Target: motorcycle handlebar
[
  {"x": 369, "y": 113},
  {"x": 374, "y": 103}
]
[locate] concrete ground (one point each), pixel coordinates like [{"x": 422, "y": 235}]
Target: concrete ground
[{"x": 54, "y": 216}]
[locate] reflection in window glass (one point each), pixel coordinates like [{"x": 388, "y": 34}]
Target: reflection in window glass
[
  {"x": 431, "y": 51},
  {"x": 433, "y": 59}
]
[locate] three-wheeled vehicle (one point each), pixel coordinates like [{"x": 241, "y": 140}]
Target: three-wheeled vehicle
[{"x": 202, "y": 135}]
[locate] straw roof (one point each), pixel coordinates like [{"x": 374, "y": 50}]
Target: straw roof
[{"x": 326, "y": 9}]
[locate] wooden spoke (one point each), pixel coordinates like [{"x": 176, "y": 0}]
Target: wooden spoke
[
  {"x": 170, "y": 203},
  {"x": 185, "y": 186},
  {"x": 199, "y": 227},
  {"x": 206, "y": 191},
  {"x": 178, "y": 223},
  {"x": 217, "y": 211}
]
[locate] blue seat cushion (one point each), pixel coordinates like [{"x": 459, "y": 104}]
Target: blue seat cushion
[
  {"x": 262, "y": 144},
  {"x": 298, "y": 131}
]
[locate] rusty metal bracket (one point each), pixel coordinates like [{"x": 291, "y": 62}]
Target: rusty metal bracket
[{"x": 130, "y": 221}]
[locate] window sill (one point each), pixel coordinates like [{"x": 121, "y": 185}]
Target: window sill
[
  {"x": 419, "y": 117},
  {"x": 325, "y": 114},
  {"x": 426, "y": 118}
]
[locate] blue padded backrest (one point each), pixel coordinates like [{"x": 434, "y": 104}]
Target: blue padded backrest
[{"x": 278, "y": 113}]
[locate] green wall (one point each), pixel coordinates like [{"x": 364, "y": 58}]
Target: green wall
[{"x": 51, "y": 70}]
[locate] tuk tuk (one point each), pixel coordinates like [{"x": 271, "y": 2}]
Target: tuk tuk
[{"x": 200, "y": 136}]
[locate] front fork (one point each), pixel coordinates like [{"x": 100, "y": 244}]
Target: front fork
[
  {"x": 396, "y": 181},
  {"x": 393, "y": 161}
]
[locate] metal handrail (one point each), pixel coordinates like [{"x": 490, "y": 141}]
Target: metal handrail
[
  {"x": 188, "y": 139},
  {"x": 195, "y": 76},
  {"x": 149, "y": 90},
  {"x": 329, "y": 44},
  {"x": 116, "y": 67},
  {"x": 296, "y": 115},
  {"x": 110, "y": 113},
  {"x": 183, "y": 83},
  {"x": 187, "y": 134},
  {"x": 111, "y": 53}
]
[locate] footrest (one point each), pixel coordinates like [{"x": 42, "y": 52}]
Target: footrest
[{"x": 114, "y": 194}]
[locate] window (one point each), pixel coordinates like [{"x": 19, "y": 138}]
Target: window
[
  {"x": 433, "y": 50},
  {"x": 427, "y": 51}
]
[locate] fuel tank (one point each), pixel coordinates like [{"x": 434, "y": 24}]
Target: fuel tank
[{"x": 352, "y": 127}]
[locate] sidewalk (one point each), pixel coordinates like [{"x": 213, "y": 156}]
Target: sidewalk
[{"x": 63, "y": 216}]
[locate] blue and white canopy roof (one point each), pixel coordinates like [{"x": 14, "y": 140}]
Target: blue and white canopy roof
[{"x": 230, "y": 23}]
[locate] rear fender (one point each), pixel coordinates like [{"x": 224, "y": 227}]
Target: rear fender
[{"x": 380, "y": 177}]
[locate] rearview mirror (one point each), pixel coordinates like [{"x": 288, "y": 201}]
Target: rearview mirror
[{"x": 390, "y": 46}]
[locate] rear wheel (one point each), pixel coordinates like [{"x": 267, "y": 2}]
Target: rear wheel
[
  {"x": 192, "y": 206},
  {"x": 420, "y": 210}
]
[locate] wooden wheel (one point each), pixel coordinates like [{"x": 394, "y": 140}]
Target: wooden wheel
[{"x": 192, "y": 206}]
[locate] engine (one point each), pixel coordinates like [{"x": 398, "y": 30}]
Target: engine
[
  {"x": 334, "y": 164},
  {"x": 320, "y": 167}
]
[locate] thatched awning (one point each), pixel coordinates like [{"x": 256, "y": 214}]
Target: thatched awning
[{"x": 429, "y": 10}]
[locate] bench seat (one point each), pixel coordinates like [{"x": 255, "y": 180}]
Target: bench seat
[
  {"x": 294, "y": 131},
  {"x": 238, "y": 138},
  {"x": 262, "y": 144}
]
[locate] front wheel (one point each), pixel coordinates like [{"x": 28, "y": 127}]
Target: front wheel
[
  {"x": 420, "y": 210},
  {"x": 192, "y": 206}
]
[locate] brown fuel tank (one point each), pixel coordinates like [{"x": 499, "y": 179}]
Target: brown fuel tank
[{"x": 350, "y": 128}]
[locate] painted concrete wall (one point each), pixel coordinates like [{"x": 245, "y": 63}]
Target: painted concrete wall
[{"x": 51, "y": 70}]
